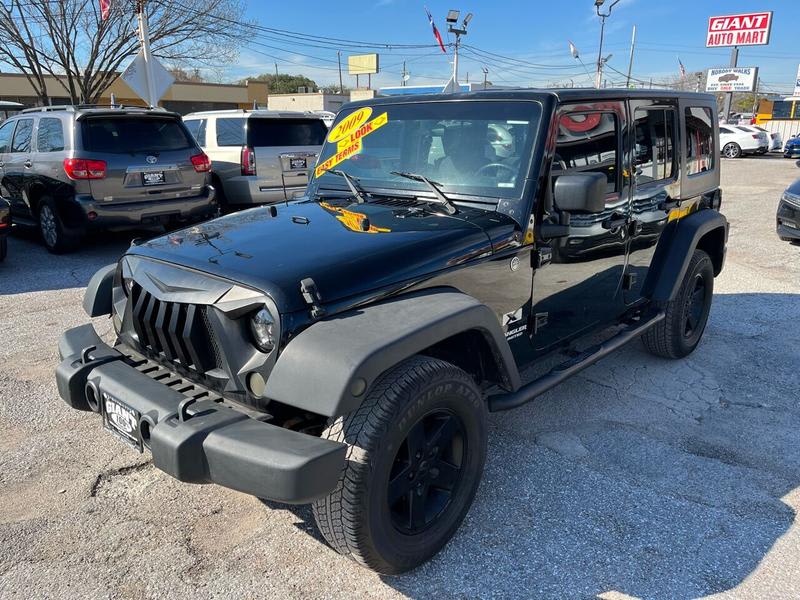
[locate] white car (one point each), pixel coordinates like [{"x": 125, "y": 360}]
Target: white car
[
  {"x": 735, "y": 141},
  {"x": 775, "y": 139}
]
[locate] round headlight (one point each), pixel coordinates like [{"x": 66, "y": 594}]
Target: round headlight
[{"x": 263, "y": 327}]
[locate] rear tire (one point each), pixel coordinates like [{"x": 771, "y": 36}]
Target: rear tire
[
  {"x": 732, "y": 150},
  {"x": 417, "y": 446},
  {"x": 51, "y": 227},
  {"x": 686, "y": 314}
]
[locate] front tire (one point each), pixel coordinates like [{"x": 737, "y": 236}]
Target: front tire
[
  {"x": 417, "y": 446},
  {"x": 686, "y": 314},
  {"x": 732, "y": 150}
]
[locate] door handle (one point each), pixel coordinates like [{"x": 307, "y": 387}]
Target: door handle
[
  {"x": 615, "y": 221},
  {"x": 28, "y": 164}
]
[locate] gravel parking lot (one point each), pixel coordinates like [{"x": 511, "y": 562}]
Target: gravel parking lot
[{"x": 642, "y": 477}]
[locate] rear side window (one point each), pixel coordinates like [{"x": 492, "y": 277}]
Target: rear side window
[
  {"x": 286, "y": 132},
  {"x": 6, "y": 129},
  {"x": 230, "y": 132},
  {"x": 129, "y": 135},
  {"x": 50, "y": 135},
  {"x": 700, "y": 153},
  {"x": 654, "y": 153},
  {"x": 587, "y": 142},
  {"x": 197, "y": 127},
  {"x": 22, "y": 136}
]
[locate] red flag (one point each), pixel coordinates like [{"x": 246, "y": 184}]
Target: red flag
[
  {"x": 105, "y": 8},
  {"x": 435, "y": 31}
]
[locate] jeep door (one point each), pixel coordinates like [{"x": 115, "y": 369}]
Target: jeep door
[
  {"x": 654, "y": 144},
  {"x": 17, "y": 166},
  {"x": 580, "y": 285},
  {"x": 6, "y": 133}
]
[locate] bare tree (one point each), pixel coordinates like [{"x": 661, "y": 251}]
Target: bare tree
[{"x": 69, "y": 40}]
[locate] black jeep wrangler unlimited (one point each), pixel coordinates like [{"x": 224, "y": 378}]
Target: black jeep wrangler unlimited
[{"x": 344, "y": 349}]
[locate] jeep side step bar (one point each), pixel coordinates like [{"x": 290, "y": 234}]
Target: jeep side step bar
[{"x": 567, "y": 369}]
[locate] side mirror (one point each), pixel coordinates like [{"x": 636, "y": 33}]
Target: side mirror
[{"x": 581, "y": 192}]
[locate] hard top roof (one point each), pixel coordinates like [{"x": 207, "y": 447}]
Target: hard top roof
[
  {"x": 559, "y": 94},
  {"x": 259, "y": 113}
]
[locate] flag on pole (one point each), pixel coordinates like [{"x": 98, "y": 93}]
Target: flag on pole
[
  {"x": 105, "y": 8},
  {"x": 573, "y": 50},
  {"x": 683, "y": 69},
  {"x": 435, "y": 31}
]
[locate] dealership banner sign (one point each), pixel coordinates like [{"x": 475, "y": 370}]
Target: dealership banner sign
[
  {"x": 733, "y": 79},
  {"x": 749, "y": 29}
]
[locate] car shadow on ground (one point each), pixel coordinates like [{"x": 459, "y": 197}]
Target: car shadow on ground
[
  {"x": 29, "y": 267},
  {"x": 643, "y": 476}
]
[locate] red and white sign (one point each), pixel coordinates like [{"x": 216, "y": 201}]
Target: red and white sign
[{"x": 749, "y": 29}]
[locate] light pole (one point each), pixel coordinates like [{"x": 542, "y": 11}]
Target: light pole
[
  {"x": 603, "y": 16},
  {"x": 452, "y": 21},
  {"x": 485, "y": 75}
]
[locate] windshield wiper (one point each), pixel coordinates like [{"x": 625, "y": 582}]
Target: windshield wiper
[
  {"x": 441, "y": 199},
  {"x": 352, "y": 183}
]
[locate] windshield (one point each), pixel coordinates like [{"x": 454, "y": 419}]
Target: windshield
[
  {"x": 474, "y": 148},
  {"x": 128, "y": 135}
]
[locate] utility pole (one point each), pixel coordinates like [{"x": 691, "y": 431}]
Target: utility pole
[
  {"x": 403, "y": 79},
  {"x": 699, "y": 81},
  {"x": 452, "y": 19},
  {"x": 341, "y": 85},
  {"x": 276, "y": 70},
  {"x": 144, "y": 39},
  {"x": 630, "y": 61},
  {"x": 485, "y": 76},
  {"x": 603, "y": 16},
  {"x": 729, "y": 95}
]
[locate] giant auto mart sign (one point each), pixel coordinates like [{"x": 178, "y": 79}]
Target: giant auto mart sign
[{"x": 749, "y": 29}]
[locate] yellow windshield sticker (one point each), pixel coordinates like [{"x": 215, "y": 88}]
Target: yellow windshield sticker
[
  {"x": 363, "y": 131},
  {"x": 354, "y": 221},
  {"x": 349, "y": 124},
  {"x": 340, "y": 156}
]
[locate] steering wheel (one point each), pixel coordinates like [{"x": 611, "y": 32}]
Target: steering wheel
[{"x": 495, "y": 166}]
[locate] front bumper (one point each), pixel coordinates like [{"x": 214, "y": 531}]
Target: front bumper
[
  {"x": 791, "y": 152},
  {"x": 136, "y": 214},
  {"x": 199, "y": 441}
]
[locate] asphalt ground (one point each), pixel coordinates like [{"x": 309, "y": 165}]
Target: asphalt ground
[{"x": 641, "y": 477}]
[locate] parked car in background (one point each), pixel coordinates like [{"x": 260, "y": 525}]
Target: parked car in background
[
  {"x": 792, "y": 147},
  {"x": 735, "y": 141},
  {"x": 775, "y": 139},
  {"x": 763, "y": 136},
  {"x": 258, "y": 156},
  {"x": 71, "y": 169},
  {"x": 5, "y": 227},
  {"x": 8, "y": 109},
  {"x": 788, "y": 217}
]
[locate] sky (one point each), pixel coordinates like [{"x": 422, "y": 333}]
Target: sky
[{"x": 527, "y": 40}]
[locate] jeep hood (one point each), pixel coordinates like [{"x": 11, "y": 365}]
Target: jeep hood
[{"x": 347, "y": 248}]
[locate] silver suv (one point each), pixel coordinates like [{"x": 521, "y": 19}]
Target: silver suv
[
  {"x": 258, "y": 156},
  {"x": 71, "y": 169}
]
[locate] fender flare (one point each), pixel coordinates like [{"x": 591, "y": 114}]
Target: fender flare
[
  {"x": 97, "y": 297},
  {"x": 675, "y": 249},
  {"x": 328, "y": 368}
]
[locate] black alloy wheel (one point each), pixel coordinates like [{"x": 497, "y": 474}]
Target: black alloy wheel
[{"x": 426, "y": 472}]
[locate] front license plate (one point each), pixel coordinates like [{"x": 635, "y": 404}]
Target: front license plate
[
  {"x": 298, "y": 163},
  {"x": 121, "y": 420},
  {"x": 153, "y": 178}
]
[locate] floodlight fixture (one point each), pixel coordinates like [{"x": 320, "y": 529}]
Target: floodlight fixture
[
  {"x": 452, "y": 16},
  {"x": 467, "y": 19}
]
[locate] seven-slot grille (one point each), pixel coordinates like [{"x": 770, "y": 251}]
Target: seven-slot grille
[{"x": 173, "y": 330}]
